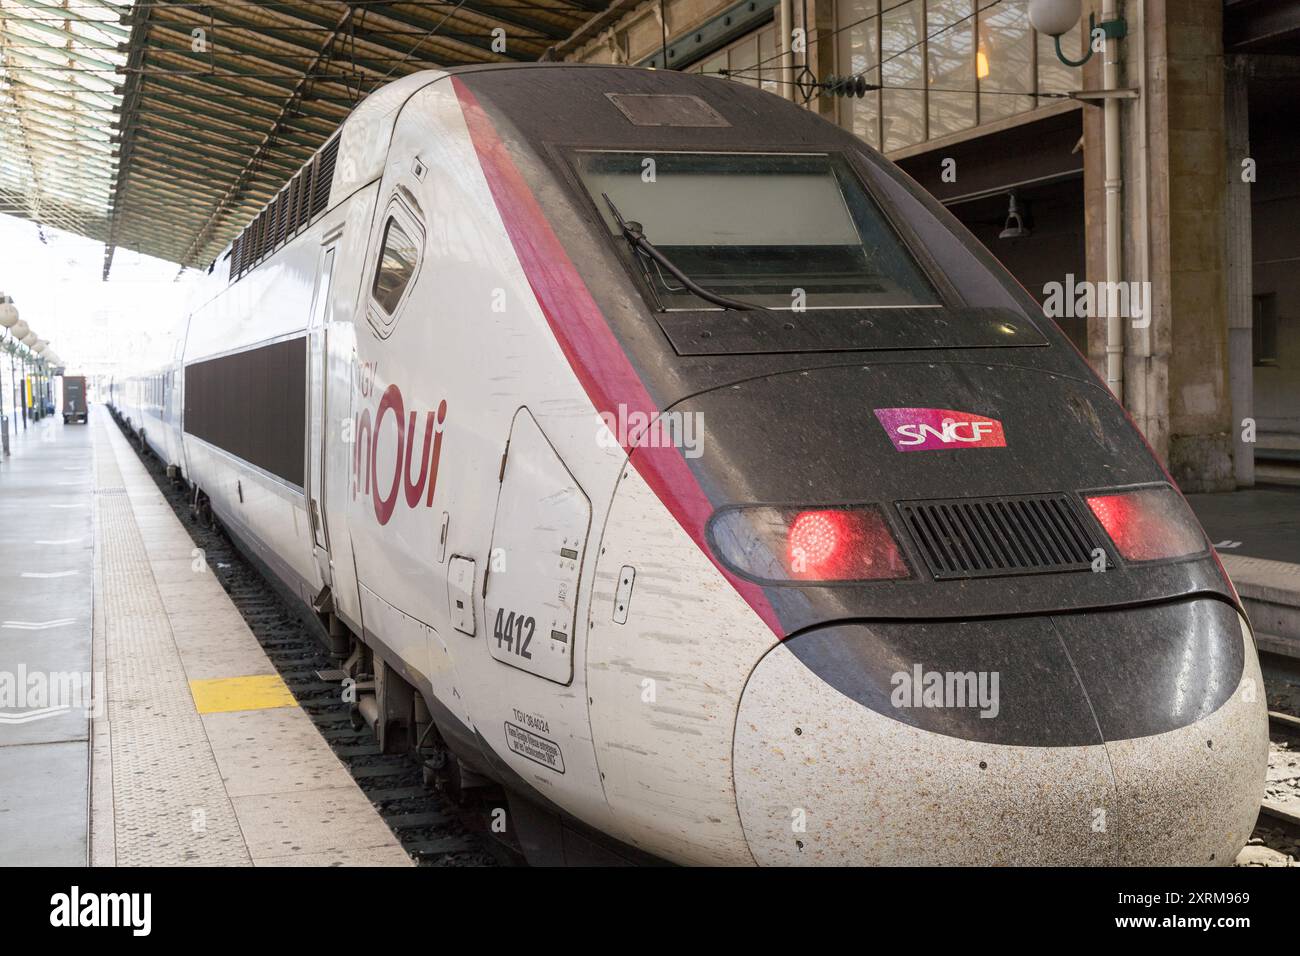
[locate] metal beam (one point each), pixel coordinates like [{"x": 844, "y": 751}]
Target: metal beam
[
  {"x": 130, "y": 99},
  {"x": 1252, "y": 24},
  {"x": 236, "y": 190},
  {"x": 204, "y": 139}
]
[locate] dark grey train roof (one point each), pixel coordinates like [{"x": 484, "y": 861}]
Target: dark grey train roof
[{"x": 572, "y": 103}]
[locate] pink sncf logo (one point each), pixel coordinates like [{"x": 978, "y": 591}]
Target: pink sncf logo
[{"x": 927, "y": 429}]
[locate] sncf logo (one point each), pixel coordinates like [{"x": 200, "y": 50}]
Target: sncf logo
[{"x": 925, "y": 429}]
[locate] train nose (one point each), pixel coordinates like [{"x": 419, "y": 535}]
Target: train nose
[{"x": 1133, "y": 737}]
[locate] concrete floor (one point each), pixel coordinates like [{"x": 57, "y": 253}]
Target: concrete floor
[
  {"x": 1259, "y": 522},
  {"x": 46, "y": 583},
  {"x": 192, "y": 750}
]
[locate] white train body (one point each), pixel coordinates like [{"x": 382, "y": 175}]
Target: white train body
[{"x": 463, "y": 508}]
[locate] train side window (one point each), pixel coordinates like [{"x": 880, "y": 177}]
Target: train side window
[{"x": 396, "y": 266}]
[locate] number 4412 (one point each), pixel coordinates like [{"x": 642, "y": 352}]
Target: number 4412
[{"x": 515, "y": 632}]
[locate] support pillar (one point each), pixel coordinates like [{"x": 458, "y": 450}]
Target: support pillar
[
  {"x": 1241, "y": 366},
  {"x": 1175, "y": 218}
]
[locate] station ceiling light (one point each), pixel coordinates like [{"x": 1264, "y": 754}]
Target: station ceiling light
[
  {"x": 1054, "y": 17},
  {"x": 1016, "y": 226},
  {"x": 8, "y": 311}
]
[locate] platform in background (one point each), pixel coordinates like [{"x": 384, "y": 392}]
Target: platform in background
[
  {"x": 1261, "y": 522},
  {"x": 46, "y": 575},
  {"x": 194, "y": 751},
  {"x": 1257, "y": 534}
]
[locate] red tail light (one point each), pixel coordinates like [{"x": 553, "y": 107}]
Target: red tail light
[
  {"x": 796, "y": 544},
  {"x": 1148, "y": 524},
  {"x": 817, "y": 539}
]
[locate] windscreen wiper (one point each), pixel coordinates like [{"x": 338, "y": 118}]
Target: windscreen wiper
[{"x": 635, "y": 235}]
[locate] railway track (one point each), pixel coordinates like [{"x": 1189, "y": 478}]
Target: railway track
[
  {"x": 1278, "y": 826},
  {"x": 430, "y": 827},
  {"x": 1281, "y": 807}
]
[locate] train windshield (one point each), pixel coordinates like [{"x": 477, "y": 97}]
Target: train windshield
[{"x": 779, "y": 231}]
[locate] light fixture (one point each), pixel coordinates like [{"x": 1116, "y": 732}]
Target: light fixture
[
  {"x": 1015, "y": 227},
  {"x": 1055, "y": 18},
  {"x": 787, "y": 544},
  {"x": 8, "y": 311},
  {"x": 1148, "y": 524},
  {"x": 981, "y": 63}
]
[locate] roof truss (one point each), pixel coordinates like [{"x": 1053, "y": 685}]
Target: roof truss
[{"x": 164, "y": 127}]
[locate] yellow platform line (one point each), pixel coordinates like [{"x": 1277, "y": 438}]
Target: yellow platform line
[{"x": 223, "y": 694}]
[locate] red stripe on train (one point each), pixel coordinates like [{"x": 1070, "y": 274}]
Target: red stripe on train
[{"x": 595, "y": 355}]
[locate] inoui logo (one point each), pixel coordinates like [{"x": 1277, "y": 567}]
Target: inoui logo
[
  {"x": 927, "y": 429},
  {"x": 367, "y": 478}
]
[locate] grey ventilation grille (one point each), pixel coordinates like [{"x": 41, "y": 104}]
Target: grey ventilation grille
[
  {"x": 294, "y": 207},
  {"x": 987, "y": 537},
  {"x": 325, "y": 159}
]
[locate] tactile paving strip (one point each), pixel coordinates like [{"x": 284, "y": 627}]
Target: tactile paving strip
[{"x": 169, "y": 803}]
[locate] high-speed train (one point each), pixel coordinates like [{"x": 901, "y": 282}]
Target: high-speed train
[{"x": 657, "y": 452}]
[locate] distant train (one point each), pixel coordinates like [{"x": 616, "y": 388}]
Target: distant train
[
  {"x": 75, "y": 400},
  {"x": 657, "y": 451}
]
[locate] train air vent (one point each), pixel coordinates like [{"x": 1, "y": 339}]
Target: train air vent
[
  {"x": 320, "y": 198},
  {"x": 987, "y": 537},
  {"x": 306, "y": 195}
]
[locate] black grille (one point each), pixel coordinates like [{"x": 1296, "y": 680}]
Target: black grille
[
  {"x": 985, "y": 537},
  {"x": 306, "y": 196},
  {"x": 324, "y": 174}
]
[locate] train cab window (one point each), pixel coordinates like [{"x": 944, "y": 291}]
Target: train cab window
[
  {"x": 783, "y": 231},
  {"x": 396, "y": 266}
]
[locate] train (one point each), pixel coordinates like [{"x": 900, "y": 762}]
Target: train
[
  {"x": 75, "y": 407},
  {"x": 657, "y": 455}
]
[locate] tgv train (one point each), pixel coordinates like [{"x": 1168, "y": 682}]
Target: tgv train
[{"x": 657, "y": 452}]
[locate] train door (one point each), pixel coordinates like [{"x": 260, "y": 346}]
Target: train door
[
  {"x": 173, "y": 419},
  {"x": 540, "y": 530},
  {"x": 317, "y": 349}
]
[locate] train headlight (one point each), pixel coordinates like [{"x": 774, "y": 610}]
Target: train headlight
[
  {"x": 1148, "y": 524},
  {"x": 782, "y": 544}
]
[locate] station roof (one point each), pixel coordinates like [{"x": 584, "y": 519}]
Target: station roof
[
  {"x": 164, "y": 127},
  {"x": 58, "y": 94}
]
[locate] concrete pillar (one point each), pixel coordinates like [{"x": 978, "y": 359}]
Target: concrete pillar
[
  {"x": 1241, "y": 370},
  {"x": 822, "y": 15},
  {"x": 1175, "y": 207}
]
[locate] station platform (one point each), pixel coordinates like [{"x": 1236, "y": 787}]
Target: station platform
[
  {"x": 1261, "y": 522},
  {"x": 141, "y": 723},
  {"x": 1257, "y": 534}
]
